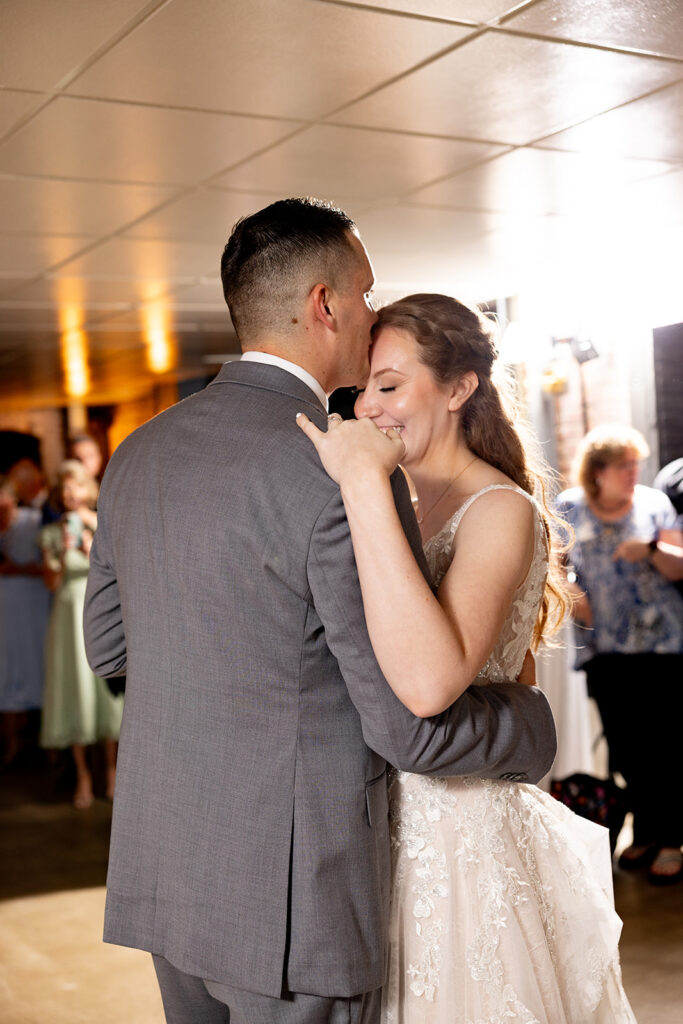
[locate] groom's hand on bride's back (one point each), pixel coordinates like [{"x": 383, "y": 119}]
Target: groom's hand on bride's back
[{"x": 528, "y": 673}]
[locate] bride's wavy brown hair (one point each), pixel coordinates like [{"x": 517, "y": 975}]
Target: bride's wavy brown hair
[{"x": 453, "y": 340}]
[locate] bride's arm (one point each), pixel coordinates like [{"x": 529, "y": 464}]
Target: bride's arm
[{"x": 429, "y": 648}]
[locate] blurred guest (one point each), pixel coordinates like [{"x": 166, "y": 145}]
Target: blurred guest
[
  {"x": 24, "y": 606},
  {"x": 627, "y": 553},
  {"x": 31, "y": 489},
  {"x": 86, "y": 449},
  {"x": 78, "y": 708}
]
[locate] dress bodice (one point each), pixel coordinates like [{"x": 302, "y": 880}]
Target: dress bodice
[{"x": 505, "y": 661}]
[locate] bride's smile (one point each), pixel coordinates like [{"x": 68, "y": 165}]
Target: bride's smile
[{"x": 401, "y": 392}]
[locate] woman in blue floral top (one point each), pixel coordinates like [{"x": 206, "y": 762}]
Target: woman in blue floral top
[{"x": 627, "y": 553}]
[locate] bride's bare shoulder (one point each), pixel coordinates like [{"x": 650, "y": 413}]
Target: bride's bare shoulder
[{"x": 498, "y": 508}]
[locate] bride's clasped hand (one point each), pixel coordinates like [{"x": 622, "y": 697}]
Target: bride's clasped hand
[{"x": 352, "y": 449}]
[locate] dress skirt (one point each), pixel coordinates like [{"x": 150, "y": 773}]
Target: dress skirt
[
  {"x": 502, "y": 909},
  {"x": 78, "y": 706}
]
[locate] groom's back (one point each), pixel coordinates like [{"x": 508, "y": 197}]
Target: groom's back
[{"x": 242, "y": 772}]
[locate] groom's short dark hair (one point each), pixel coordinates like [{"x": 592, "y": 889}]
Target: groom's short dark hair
[{"x": 275, "y": 256}]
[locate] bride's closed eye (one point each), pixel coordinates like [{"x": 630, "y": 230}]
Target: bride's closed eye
[{"x": 357, "y": 392}]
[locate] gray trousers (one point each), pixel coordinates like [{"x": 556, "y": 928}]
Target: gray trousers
[{"x": 190, "y": 1000}]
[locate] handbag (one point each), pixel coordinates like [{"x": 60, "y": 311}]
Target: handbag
[{"x": 599, "y": 800}]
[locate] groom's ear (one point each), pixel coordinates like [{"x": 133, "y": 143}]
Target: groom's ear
[
  {"x": 322, "y": 307},
  {"x": 462, "y": 389}
]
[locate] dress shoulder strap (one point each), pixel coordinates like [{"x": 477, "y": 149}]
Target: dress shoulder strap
[
  {"x": 444, "y": 538},
  {"x": 457, "y": 516}
]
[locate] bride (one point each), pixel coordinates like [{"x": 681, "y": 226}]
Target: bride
[{"x": 502, "y": 905}]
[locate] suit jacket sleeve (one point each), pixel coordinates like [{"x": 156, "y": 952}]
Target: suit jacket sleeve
[
  {"x": 105, "y": 642},
  {"x": 496, "y": 731}
]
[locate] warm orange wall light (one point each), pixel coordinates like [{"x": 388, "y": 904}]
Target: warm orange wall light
[
  {"x": 74, "y": 347},
  {"x": 159, "y": 346}
]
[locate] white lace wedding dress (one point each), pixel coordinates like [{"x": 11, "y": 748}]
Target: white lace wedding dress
[{"x": 502, "y": 903}]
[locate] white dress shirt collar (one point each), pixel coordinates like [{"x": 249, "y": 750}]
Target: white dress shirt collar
[{"x": 284, "y": 364}]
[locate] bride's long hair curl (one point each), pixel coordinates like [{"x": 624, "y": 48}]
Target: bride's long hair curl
[{"x": 453, "y": 340}]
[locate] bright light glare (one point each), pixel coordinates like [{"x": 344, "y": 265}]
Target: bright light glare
[
  {"x": 74, "y": 347},
  {"x": 159, "y": 347},
  {"x": 75, "y": 363}
]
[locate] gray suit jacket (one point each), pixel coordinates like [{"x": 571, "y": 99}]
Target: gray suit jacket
[{"x": 250, "y": 841}]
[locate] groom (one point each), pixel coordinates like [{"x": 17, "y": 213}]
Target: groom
[{"x": 250, "y": 845}]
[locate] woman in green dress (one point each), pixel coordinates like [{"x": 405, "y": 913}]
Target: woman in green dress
[{"x": 78, "y": 708}]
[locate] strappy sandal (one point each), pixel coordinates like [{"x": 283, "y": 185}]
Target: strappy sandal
[{"x": 666, "y": 858}]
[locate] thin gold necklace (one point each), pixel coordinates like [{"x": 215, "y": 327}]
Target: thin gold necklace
[{"x": 448, "y": 486}]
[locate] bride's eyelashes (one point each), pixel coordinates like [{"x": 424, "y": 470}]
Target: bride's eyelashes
[{"x": 357, "y": 392}]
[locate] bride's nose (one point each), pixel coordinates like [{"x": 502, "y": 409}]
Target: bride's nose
[{"x": 365, "y": 407}]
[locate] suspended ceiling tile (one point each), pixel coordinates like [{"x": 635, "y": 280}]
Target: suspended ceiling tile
[
  {"x": 208, "y": 215},
  {"x": 414, "y": 247},
  {"x": 54, "y": 207},
  {"x": 523, "y": 241},
  {"x": 205, "y": 215},
  {"x": 538, "y": 182},
  {"x": 122, "y": 142},
  {"x": 45, "y": 318},
  {"x": 439, "y": 229},
  {"x": 651, "y": 127},
  {"x": 453, "y": 10},
  {"x": 13, "y": 105},
  {"x": 298, "y": 59},
  {"x": 100, "y": 321},
  {"x": 41, "y": 41},
  {"x": 509, "y": 89},
  {"x": 85, "y": 293},
  {"x": 203, "y": 316},
  {"x": 326, "y": 161},
  {"x": 34, "y": 254},
  {"x": 658, "y": 201},
  {"x": 206, "y": 293},
  {"x": 656, "y": 27},
  {"x": 155, "y": 261},
  {"x": 10, "y": 285},
  {"x": 199, "y": 317}
]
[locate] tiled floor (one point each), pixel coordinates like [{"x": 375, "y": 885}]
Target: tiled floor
[{"x": 54, "y": 968}]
